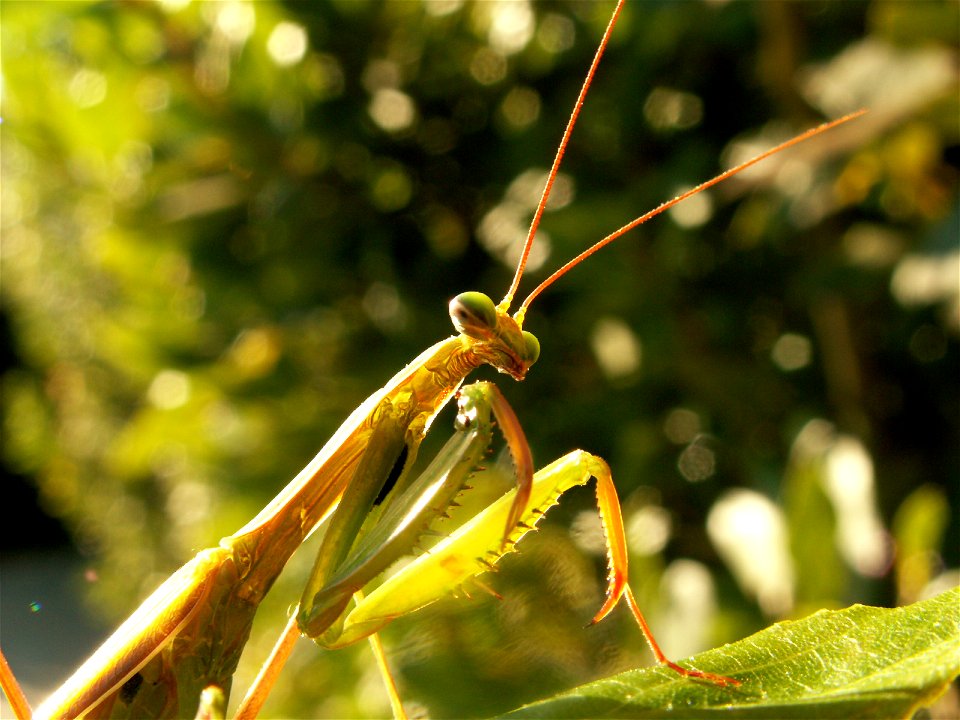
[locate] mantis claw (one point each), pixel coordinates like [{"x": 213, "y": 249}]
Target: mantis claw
[{"x": 522, "y": 458}]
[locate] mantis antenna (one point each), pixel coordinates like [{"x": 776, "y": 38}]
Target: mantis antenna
[
  {"x": 554, "y": 169},
  {"x": 569, "y": 265},
  {"x": 561, "y": 149}
]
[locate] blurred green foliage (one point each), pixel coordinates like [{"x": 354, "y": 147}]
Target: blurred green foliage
[{"x": 225, "y": 224}]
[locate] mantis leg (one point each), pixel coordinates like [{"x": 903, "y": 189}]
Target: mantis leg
[
  {"x": 473, "y": 548},
  {"x": 13, "y": 691},
  {"x": 386, "y": 451},
  {"x": 362, "y": 540},
  {"x": 396, "y": 704},
  {"x": 476, "y": 547}
]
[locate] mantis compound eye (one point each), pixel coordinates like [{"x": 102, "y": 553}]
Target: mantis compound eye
[
  {"x": 531, "y": 347},
  {"x": 473, "y": 314}
]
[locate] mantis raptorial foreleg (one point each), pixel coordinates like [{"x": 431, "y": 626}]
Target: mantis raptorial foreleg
[
  {"x": 475, "y": 547},
  {"x": 394, "y": 530},
  {"x": 367, "y": 540},
  {"x": 472, "y": 549}
]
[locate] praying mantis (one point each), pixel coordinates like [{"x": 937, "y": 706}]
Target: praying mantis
[{"x": 342, "y": 483}]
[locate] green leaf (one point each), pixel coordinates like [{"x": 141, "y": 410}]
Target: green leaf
[{"x": 861, "y": 662}]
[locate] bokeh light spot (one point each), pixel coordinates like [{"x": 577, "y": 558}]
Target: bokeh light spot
[
  {"x": 439, "y": 8},
  {"x": 669, "y": 109},
  {"x": 392, "y": 110},
  {"x": 170, "y": 389},
  {"x": 384, "y": 307},
  {"x": 520, "y": 108},
  {"x": 792, "y": 351},
  {"x": 681, "y": 426},
  {"x": 392, "y": 189},
  {"x": 616, "y": 347},
  {"x": 488, "y": 67},
  {"x": 692, "y": 212},
  {"x": 511, "y": 25},
  {"x": 750, "y": 533},
  {"x": 697, "y": 462},
  {"x": 648, "y": 530},
  {"x": 87, "y": 88},
  {"x": 556, "y": 33},
  {"x": 287, "y": 43},
  {"x": 587, "y": 532},
  {"x": 691, "y": 598},
  {"x": 849, "y": 483},
  {"x": 235, "y": 20}
]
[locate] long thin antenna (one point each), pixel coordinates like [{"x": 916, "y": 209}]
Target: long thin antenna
[
  {"x": 535, "y": 223},
  {"x": 670, "y": 203}
]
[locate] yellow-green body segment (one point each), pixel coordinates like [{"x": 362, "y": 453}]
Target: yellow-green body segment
[{"x": 190, "y": 632}]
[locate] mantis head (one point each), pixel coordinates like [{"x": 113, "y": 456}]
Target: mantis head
[{"x": 493, "y": 335}]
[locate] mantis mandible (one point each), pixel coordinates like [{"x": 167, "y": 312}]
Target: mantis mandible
[{"x": 188, "y": 636}]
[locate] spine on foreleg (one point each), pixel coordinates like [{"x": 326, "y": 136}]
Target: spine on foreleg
[{"x": 471, "y": 550}]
